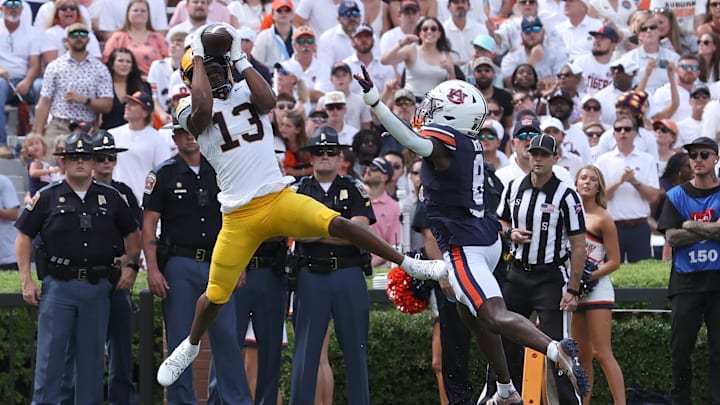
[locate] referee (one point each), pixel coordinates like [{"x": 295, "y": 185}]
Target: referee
[{"x": 544, "y": 219}]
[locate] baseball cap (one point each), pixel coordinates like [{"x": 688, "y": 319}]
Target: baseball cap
[
  {"x": 75, "y": 27},
  {"x": 485, "y": 42},
  {"x": 142, "y": 98},
  {"x": 403, "y": 94},
  {"x": 303, "y": 30},
  {"x": 340, "y": 65},
  {"x": 699, "y": 87},
  {"x": 409, "y": 4},
  {"x": 574, "y": 69},
  {"x": 628, "y": 65},
  {"x": 384, "y": 166},
  {"x": 287, "y": 67},
  {"x": 347, "y": 5},
  {"x": 364, "y": 27},
  {"x": 318, "y": 111},
  {"x": 104, "y": 142},
  {"x": 323, "y": 136},
  {"x": 78, "y": 142},
  {"x": 276, "y": 4},
  {"x": 667, "y": 123},
  {"x": 525, "y": 125},
  {"x": 488, "y": 126},
  {"x": 335, "y": 97},
  {"x": 702, "y": 141},
  {"x": 483, "y": 60},
  {"x": 530, "y": 21},
  {"x": 552, "y": 122},
  {"x": 608, "y": 32},
  {"x": 587, "y": 98},
  {"x": 246, "y": 33},
  {"x": 543, "y": 142},
  {"x": 561, "y": 93}
]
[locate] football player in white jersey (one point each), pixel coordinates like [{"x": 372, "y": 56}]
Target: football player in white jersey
[{"x": 231, "y": 125}]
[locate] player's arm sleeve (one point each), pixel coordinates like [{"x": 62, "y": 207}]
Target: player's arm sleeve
[{"x": 402, "y": 132}]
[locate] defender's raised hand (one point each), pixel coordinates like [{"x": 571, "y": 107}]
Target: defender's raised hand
[{"x": 370, "y": 93}]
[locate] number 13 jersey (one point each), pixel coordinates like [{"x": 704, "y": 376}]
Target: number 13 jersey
[{"x": 239, "y": 145}]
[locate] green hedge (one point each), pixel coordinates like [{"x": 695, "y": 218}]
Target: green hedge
[{"x": 399, "y": 352}]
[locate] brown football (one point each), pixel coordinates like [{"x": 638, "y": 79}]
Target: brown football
[{"x": 216, "y": 40}]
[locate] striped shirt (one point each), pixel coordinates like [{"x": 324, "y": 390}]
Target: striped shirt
[{"x": 552, "y": 213}]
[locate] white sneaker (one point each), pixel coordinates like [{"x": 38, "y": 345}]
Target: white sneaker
[
  {"x": 171, "y": 369},
  {"x": 427, "y": 269}
]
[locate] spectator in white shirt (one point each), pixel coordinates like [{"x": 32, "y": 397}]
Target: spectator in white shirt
[
  {"x": 575, "y": 31},
  {"x": 690, "y": 128},
  {"x": 623, "y": 74},
  {"x": 596, "y": 64},
  {"x": 408, "y": 16},
  {"x": 461, "y": 30},
  {"x": 320, "y": 15},
  {"x": 335, "y": 44},
  {"x": 363, "y": 41},
  {"x": 546, "y": 61},
  {"x": 688, "y": 72},
  {"x": 315, "y": 75},
  {"x": 553, "y": 127},
  {"x": 274, "y": 45}
]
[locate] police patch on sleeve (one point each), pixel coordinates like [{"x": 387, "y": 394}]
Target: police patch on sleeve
[
  {"x": 33, "y": 201},
  {"x": 361, "y": 188},
  {"x": 150, "y": 182}
]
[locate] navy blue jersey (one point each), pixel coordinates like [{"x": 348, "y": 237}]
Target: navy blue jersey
[{"x": 461, "y": 185}]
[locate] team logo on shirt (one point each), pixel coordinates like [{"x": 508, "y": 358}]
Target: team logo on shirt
[
  {"x": 704, "y": 216},
  {"x": 456, "y": 96},
  {"x": 150, "y": 182}
]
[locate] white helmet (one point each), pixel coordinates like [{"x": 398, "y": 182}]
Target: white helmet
[{"x": 454, "y": 103}]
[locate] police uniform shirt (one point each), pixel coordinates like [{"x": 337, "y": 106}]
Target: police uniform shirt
[
  {"x": 187, "y": 203},
  {"x": 552, "y": 213},
  {"x": 700, "y": 205},
  {"x": 79, "y": 232},
  {"x": 347, "y": 196},
  {"x": 127, "y": 195}
]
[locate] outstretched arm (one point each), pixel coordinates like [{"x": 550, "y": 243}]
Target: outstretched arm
[{"x": 395, "y": 126}]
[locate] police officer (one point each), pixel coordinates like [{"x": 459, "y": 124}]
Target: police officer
[
  {"x": 85, "y": 225},
  {"x": 331, "y": 279},
  {"x": 262, "y": 298},
  {"x": 544, "y": 219},
  {"x": 121, "y": 389},
  {"x": 182, "y": 191}
]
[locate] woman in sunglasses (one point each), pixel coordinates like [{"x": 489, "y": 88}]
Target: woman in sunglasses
[
  {"x": 669, "y": 30},
  {"x": 712, "y": 17},
  {"x": 427, "y": 56},
  {"x": 66, "y": 12},
  {"x": 708, "y": 45}
]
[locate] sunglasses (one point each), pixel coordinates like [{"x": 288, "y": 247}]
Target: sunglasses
[
  {"x": 594, "y": 134},
  {"x": 534, "y": 29},
  {"x": 526, "y": 135},
  {"x": 662, "y": 129},
  {"x": 318, "y": 120},
  {"x": 694, "y": 155},
  {"x": 700, "y": 96},
  {"x": 304, "y": 41},
  {"x": 429, "y": 28},
  {"x": 648, "y": 27},
  {"x": 374, "y": 168},
  {"x": 495, "y": 112},
  {"x": 284, "y": 10},
  {"x": 397, "y": 167},
  {"x": 331, "y": 152},
  {"x": 715, "y": 4},
  {"x": 624, "y": 129},
  {"x": 694, "y": 68},
  {"x": 705, "y": 42},
  {"x": 351, "y": 13},
  {"x": 285, "y": 106},
  {"x": 102, "y": 158},
  {"x": 527, "y": 2},
  {"x": 74, "y": 157},
  {"x": 591, "y": 108},
  {"x": 563, "y": 75},
  {"x": 66, "y": 8},
  {"x": 415, "y": 172},
  {"x": 404, "y": 103},
  {"x": 11, "y": 3},
  {"x": 78, "y": 34},
  {"x": 489, "y": 137},
  {"x": 334, "y": 107}
]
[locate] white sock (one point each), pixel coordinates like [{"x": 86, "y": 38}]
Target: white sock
[
  {"x": 552, "y": 351},
  {"x": 505, "y": 390}
]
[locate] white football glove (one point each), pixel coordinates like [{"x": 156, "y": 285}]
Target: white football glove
[
  {"x": 196, "y": 44},
  {"x": 236, "y": 52}
]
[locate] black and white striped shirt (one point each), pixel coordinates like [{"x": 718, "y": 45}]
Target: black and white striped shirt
[{"x": 552, "y": 213}]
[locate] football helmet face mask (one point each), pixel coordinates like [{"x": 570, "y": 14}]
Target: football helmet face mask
[
  {"x": 218, "y": 71},
  {"x": 454, "y": 103}
]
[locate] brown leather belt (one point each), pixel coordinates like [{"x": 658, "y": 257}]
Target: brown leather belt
[{"x": 631, "y": 223}]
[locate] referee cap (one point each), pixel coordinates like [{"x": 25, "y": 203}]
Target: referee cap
[{"x": 544, "y": 142}]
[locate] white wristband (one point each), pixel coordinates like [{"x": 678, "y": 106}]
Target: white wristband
[{"x": 242, "y": 64}]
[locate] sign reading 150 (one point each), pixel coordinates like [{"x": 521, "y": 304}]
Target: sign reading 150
[{"x": 702, "y": 255}]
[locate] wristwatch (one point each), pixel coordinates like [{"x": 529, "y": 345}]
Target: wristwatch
[{"x": 88, "y": 101}]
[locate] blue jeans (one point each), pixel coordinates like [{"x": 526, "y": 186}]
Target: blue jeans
[{"x": 8, "y": 96}]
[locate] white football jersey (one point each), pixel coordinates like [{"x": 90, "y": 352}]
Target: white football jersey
[{"x": 239, "y": 146}]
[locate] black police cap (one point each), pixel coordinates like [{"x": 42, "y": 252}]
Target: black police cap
[{"x": 78, "y": 142}]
